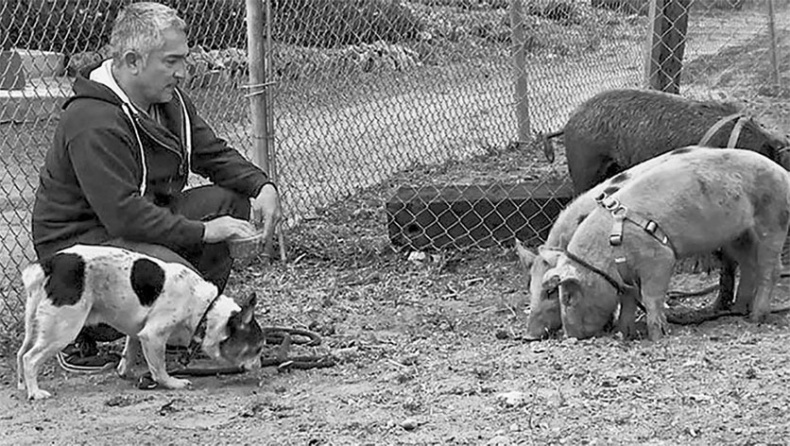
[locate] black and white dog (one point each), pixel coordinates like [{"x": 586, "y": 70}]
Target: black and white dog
[{"x": 153, "y": 302}]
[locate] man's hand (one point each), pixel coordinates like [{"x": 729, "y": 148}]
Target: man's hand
[
  {"x": 226, "y": 227},
  {"x": 266, "y": 212}
]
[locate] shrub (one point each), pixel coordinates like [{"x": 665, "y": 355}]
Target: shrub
[
  {"x": 640, "y": 7},
  {"x": 332, "y": 23},
  {"x": 67, "y": 26},
  {"x": 74, "y": 26},
  {"x": 213, "y": 24},
  {"x": 559, "y": 11},
  {"x": 467, "y": 4}
]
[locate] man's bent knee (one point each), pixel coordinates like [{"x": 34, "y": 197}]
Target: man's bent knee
[{"x": 208, "y": 202}]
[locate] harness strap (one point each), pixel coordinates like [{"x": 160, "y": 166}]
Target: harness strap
[
  {"x": 734, "y": 134},
  {"x": 621, "y": 288},
  {"x": 621, "y": 213},
  {"x": 620, "y": 262}
]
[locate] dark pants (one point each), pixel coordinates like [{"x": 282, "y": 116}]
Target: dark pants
[{"x": 213, "y": 261}]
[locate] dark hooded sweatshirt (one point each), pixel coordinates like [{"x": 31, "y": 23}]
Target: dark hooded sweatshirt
[{"x": 91, "y": 182}]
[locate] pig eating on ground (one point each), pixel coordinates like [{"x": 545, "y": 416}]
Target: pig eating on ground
[
  {"x": 544, "y": 314},
  {"x": 702, "y": 199}
]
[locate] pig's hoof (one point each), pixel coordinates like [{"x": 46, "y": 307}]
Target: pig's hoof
[
  {"x": 758, "y": 316},
  {"x": 657, "y": 330},
  {"x": 628, "y": 331}
]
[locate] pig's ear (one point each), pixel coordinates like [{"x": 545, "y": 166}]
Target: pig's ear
[
  {"x": 550, "y": 255},
  {"x": 252, "y": 300},
  {"x": 525, "y": 256},
  {"x": 248, "y": 309},
  {"x": 570, "y": 291}
]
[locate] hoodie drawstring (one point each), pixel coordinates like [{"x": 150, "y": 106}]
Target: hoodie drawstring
[
  {"x": 127, "y": 109},
  {"x": 187, "y": 131}
]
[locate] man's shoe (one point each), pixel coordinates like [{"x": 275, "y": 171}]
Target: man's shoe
[{"x": 84, "y": 357}]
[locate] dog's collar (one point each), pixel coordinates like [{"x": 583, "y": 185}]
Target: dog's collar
[{"x": 198, "y": 335}]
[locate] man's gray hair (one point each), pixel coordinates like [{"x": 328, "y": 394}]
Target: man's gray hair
[{"x": 139, "y": 28}]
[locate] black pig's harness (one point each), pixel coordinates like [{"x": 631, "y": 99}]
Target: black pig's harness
[{"x": 739, "y": 119}]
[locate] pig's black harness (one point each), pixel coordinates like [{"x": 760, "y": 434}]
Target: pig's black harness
[{"x": 621, "y": 214}]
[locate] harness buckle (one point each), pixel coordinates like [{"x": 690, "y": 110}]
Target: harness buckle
[
  {"x": 651, "y": 227},
  {"x": 615, "y": 239},
  {"x": 610, "y": 203},
  {"x": 619, "y": 212}
]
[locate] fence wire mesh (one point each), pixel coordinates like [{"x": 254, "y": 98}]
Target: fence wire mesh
[{"x": 365, "y": 89}]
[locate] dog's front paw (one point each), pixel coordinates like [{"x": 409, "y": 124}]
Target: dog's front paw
[
  {"x": 176, "y": 383},
  {"x": 38, "y": 394}
]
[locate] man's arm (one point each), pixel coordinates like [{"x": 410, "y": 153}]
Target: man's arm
[
  {"x": 226, "y": 167},
  {"x": 220, "y": 163}
]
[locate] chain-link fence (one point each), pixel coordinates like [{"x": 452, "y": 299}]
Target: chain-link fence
[{"x": 364, "y": 89}]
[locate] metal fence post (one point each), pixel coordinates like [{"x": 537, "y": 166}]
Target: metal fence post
[
  {"x": 256, "y": 87},
  {"x": 520, "y": 71},
  {"x": 259, "y": 61},
  {"x": 772, "y": 34}
]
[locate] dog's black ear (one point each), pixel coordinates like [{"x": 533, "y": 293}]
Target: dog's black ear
[
  {"x": 244, "y": 317},
  {"x": 252, "y": 300},
  {"x": 248, "y": 310}
]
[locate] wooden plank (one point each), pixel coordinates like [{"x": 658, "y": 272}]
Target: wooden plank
[{"x": 457, "y": 216}]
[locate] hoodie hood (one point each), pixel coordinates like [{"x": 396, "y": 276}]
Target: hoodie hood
[
  {"x": 85, "y": 87},
  {"x": 103, "y": 75}
]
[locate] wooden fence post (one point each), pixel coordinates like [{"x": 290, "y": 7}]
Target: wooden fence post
[
  {"x": 259, "y": 49},
  {"x": 520, "y": 71},
  {"x": 256, "y": 87},
  {"x": 666, "y": 42},
  {"x": 772, "y": 34}
]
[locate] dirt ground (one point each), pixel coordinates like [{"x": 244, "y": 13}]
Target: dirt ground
[{"x": 430, "y": 352}]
